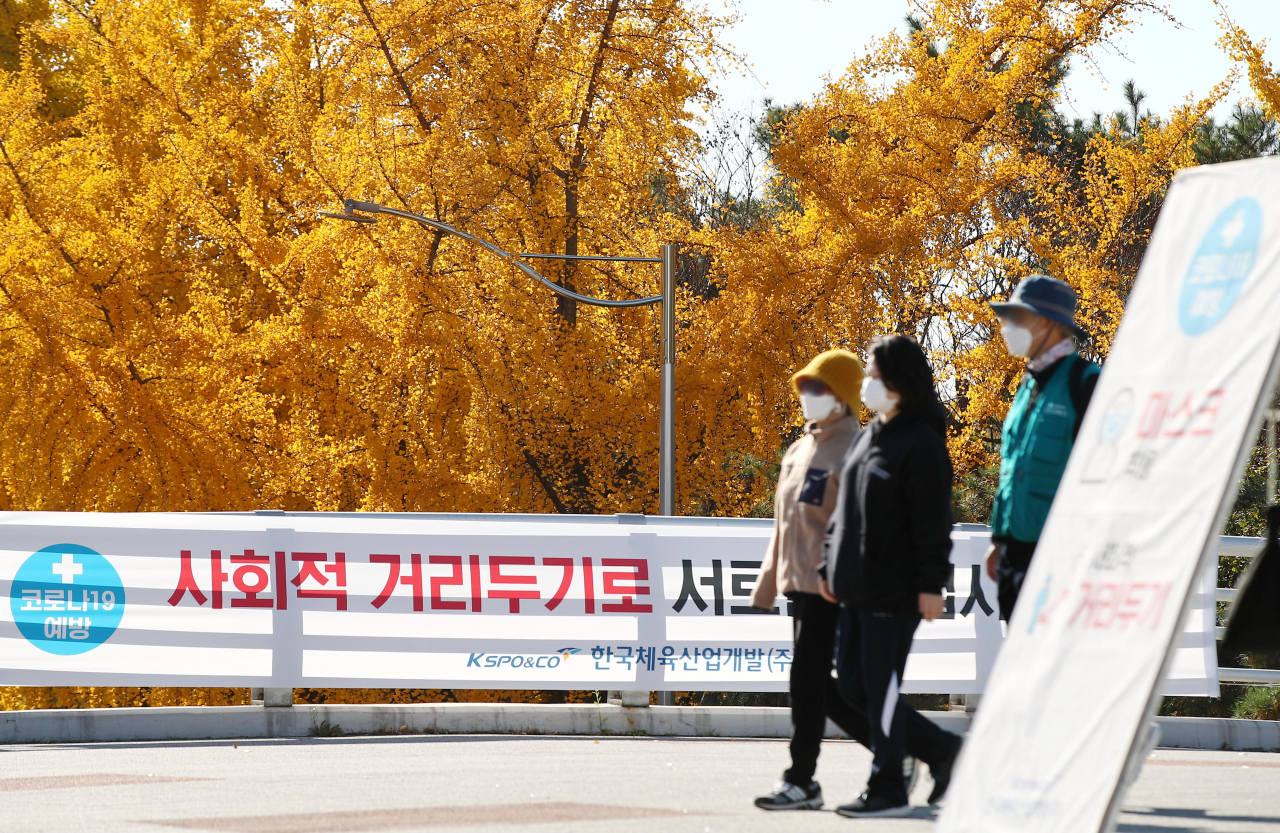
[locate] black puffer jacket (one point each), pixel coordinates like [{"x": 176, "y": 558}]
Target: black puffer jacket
[{"x": 890, "y": 536}]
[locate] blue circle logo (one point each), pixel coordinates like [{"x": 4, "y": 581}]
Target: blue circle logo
[
  {"x": 1220, "y": 267},
  {"x": 1116, "y": 418},
  {"x": 67, "y": 599}
]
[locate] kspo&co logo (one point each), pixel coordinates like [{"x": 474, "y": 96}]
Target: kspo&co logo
[
  {"x": 67, "y": 599},
  {"x": 1220, "y": 267}
]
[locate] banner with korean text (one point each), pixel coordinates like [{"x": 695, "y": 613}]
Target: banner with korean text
[
  {"x": 1145, "y": 493},
  {"x": 449, "y": 601}
]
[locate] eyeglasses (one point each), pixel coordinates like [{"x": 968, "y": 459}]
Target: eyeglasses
[{"x": 815, "y": 387}]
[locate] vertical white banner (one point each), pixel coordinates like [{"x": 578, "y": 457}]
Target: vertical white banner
[{"x": 1139, "y": 508}]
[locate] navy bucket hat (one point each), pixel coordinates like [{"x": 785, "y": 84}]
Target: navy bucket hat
[{"x": 1049, "y": 297}]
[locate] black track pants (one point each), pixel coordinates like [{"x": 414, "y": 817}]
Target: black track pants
[
  {"x": 814, "y": 696},
  {"x": 1011, "y": 569},
  {"x": 873, "y": 655}
]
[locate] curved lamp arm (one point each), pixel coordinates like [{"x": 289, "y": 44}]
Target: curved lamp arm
[{"x": 352, "y": 206}]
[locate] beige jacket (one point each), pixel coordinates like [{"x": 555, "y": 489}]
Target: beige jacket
[{"x": 806, "y": 497}]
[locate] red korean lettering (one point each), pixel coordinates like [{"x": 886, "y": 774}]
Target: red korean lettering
[
  {"x": 251, "y": 577},
  {"x": 454, "y": 580},
  {"x": 414, "y": 580},
  {"x": 312, "y": 565},
  {"x": 1104, "y": 608},
  {"x": 393, "y": 576},
  {"x": 638, "y": 571},
  {"x": 282, "y": 580},
  {"x": 496, "y": 576},
  {"x": 219, "y": 577},
  {"x": 1086, "y": 606},
  {"x": 474, "y": 561},
  {"x": 1179, "y": 418},
  {"x": 1152, "y": 419},
  {"x": 1130, "y": 605},
  {"x": 187, "y": 582},
  {"x": 589, "y": 587},
  {"x": 1207, "y": 415},
  {"x": 566, "y": 578}
]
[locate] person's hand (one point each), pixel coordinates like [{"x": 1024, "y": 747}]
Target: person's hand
[
  {"x": 992, "y": 559},
  {"x": 931, "y": 606},
  {"x": 824, "y": 588}
]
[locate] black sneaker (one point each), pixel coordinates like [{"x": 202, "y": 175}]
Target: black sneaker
[
  {"x": 910, "y": 773},
  {"x": 869, "y": 806},
  {"x": 786, "y": 796},
  {"x": 941, "y": 772}
]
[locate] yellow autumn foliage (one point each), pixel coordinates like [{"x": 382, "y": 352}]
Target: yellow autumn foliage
[
  {"x": 930, "y": 179},
  {"x": 180, "y": 332},
  {"x": 1262, "y": 76}
]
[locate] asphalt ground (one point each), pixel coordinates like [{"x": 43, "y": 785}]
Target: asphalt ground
[{"x": 536, "y": 783}]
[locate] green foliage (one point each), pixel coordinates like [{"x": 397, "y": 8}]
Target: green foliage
[
  {"x": 769, "y": 132},
  {"x": 326, "y": 730},
  {"x": 1203, "y": 706},
  {"x": 1249, "y": 512},
  {"x": 745, "y": 472},
  {"x": 916, "y": 31},
  {"x": 972, "y": 496},
  {"x": 1248, "y": 133},
  {"x": 1258, "y": 703},
  {"x": 1251, "y": 659},
  {"x": 733, "y": 698}
]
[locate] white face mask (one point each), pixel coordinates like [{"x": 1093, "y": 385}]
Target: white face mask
[
  {"x": 817, "y": 408},
  {"x": 1017, "y": 339},
  {"x": 876, "y": 396}
]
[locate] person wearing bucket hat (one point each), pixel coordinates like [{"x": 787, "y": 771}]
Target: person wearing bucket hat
[
  {"x": 1038, "y": 324},
  {"x": 829, "y": 389}
]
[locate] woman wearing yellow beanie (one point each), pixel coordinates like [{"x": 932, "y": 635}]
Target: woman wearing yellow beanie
[{"x": 829, "y": 389}]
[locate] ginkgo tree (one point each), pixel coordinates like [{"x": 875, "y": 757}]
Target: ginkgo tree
[
  {"x": 935, "y": 174},
  {"x": 180, "y": 332}
]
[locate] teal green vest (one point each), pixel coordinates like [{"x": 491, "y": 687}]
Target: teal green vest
[{"x": 1034, "y": 448}]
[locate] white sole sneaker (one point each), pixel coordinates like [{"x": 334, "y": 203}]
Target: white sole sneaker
[
  {"x": 807, "y": 804},
  {"x": 886, "y": 813}
]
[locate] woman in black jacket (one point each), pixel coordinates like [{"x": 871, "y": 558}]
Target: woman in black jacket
[{"x": 888, "y": 552}]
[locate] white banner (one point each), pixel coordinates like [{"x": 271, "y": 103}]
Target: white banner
[
  {"x": 1144, "y": 495},
  {"x": 424, "y": 601}
]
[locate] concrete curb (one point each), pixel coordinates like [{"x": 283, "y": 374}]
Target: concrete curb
[
  {"x": 1220, "y": 733},
  {"x": 233, "y": 722},
  {"x": 227, "y": 722}
]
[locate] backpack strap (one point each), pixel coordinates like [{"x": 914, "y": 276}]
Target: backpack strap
[{"x": 1080, "y": 389}]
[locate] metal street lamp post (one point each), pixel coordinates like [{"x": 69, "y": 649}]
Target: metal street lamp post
[{"x": 666, "y": 431}]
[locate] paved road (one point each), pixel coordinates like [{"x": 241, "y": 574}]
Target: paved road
[{"x": 504, "y": 783}]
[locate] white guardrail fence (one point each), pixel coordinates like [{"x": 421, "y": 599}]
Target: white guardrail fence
[
  {"x": 629, "y": 603},
  {"x": 1236, "y": 547}
]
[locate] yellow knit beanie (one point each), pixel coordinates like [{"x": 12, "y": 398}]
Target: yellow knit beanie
[{"x": 839, "y": 370}]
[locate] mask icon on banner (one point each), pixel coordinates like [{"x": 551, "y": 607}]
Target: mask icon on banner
[
  {"x": 1017, "y": 339},
  {"x": 1102, "y": 457},
  {"x": 817, "y": 408},
  {"x": 877, "y": 397}
]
